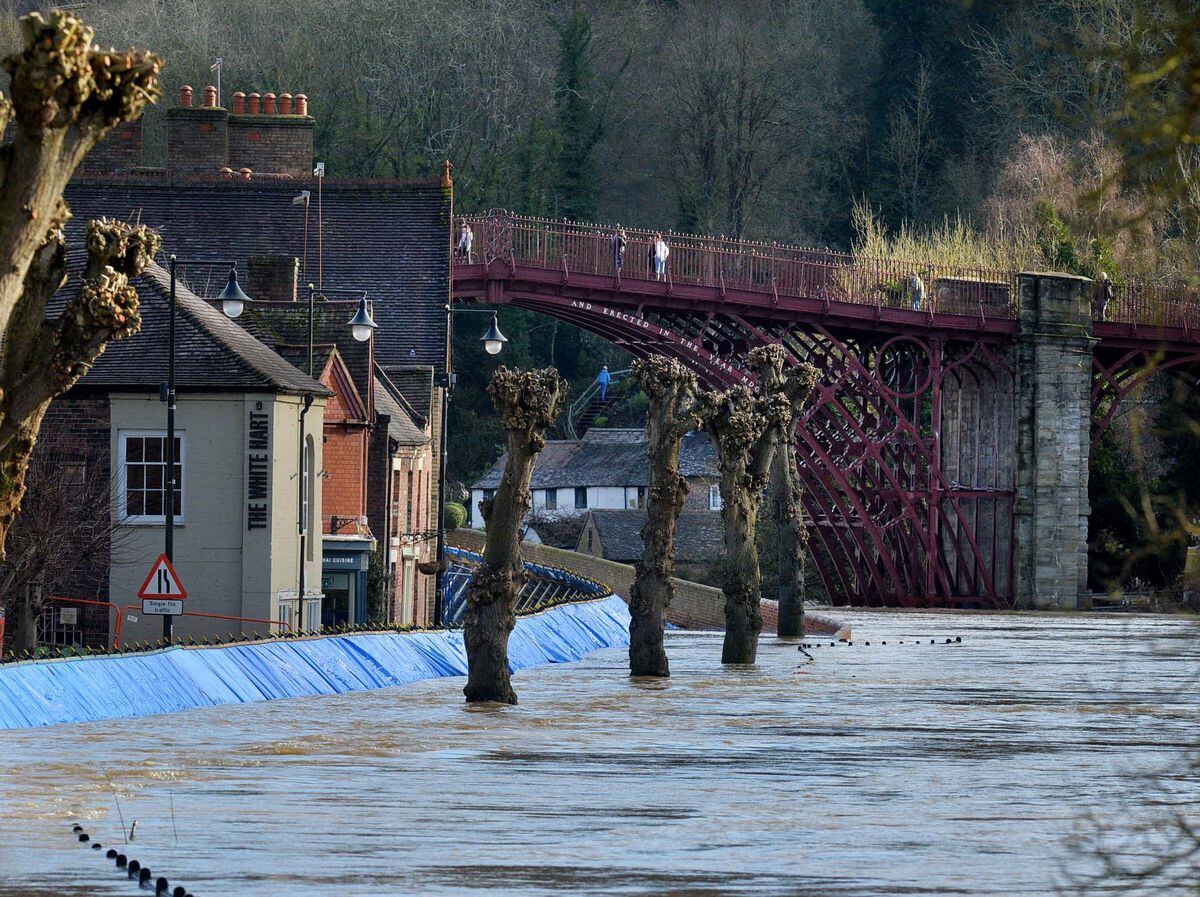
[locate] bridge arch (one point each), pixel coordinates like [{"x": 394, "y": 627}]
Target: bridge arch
[{"x": 907, "y": 449}]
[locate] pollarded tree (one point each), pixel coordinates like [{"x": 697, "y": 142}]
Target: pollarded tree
[
  {"x": 528, "y": 402},
  {"x": 66, "y": 95},
  {"x": 746, "y": 424},
  {"x": 671, "y": 389},
  {"x": 790, "y": 536}
]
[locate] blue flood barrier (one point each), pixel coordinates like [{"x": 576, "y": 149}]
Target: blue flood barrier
[{"x": 83, "y": 689}]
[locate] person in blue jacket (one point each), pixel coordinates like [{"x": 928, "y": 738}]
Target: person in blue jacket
[{"x": 604, "y": 378}]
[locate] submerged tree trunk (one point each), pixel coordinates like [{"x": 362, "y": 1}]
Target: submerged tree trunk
[
  {"x": 791, "y": 538},
  {"x": 746, "y": 426},
  {"x": 28, "y": 606},
  {"x": 670, "y": 388},
  {"x": 528, "y": 402},
  {"x": 741, "y": 576}
]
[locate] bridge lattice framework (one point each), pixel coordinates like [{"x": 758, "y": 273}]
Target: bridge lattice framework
[{"x": 926, "y": 444}]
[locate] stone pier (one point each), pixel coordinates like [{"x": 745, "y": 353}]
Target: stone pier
[{"x": 1054, "y": 370}]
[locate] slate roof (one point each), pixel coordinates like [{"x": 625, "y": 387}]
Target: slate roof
[
  {"x": 284, "y": 327},
  {"x": 390, "y": 238},
  {"x": 401, "y": 426},
  {"x": 212, "y": 353},
  {"x": 606, "y": 457},
  {"x": 415, "y": 383},
  {"x": 698, "y": 537}
]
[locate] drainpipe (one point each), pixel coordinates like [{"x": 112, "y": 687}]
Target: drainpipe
[{"x": 303, "y": 524}]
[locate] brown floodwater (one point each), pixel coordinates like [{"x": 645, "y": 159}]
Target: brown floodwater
[{"x": 970, "y": 768}]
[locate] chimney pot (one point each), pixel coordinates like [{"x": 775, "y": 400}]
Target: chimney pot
[
  {"x": 302, "y": 104},
  {"x": 210, "y": 97},
  {"x": 255, "y": 103},
  {"x": 245, "y": 173},
  {"x": 185, "y": 95},
  {"x": 269, "y": 104},
  {"x": 285, "y": 104},
  {"x": 226, "y": 172},
  {"x": 239, "y": 103}
]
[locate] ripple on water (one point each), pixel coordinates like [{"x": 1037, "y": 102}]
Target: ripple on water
[{"x": 903, "y": 769}]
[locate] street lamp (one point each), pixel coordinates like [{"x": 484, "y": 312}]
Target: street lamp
[
  {"x": 493, "y": 343},
  {"x": 232, "y": 300},
  {"x": 362, "y": 325}
]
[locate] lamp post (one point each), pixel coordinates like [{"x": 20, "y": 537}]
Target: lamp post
[
  {"x": 493, "y": 343},
  {"x": 230, "y": 297},
  {"x": 362, "y": 325}
]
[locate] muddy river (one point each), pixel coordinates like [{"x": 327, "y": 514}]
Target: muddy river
[{"x": 1001, "y": 765}]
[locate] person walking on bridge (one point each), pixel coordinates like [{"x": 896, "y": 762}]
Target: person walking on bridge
[
  {"x": 660, "y": 251},
  {"x": 916, "y": 291},
  {"x": 465, "y": 238},
  {"x": 603, "y": 379},
  {"x": 619, "y": 241},
  {"x": 1102, "y": 295}
]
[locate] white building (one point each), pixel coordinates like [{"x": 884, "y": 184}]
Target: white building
[{"x": 607, "y": 468}]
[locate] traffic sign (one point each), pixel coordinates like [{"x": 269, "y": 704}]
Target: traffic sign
[
  {"x": 162, "y": 606},
  {"x": 162, "y": 582}
]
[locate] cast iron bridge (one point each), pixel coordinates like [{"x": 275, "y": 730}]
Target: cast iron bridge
[{"x": 909, "y": 447}]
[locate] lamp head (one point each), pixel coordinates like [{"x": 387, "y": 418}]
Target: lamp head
[
  {"x": 233, "y": 300},
  {"x": 362, "y": 324},
  {"x": 493, "y": 341}
]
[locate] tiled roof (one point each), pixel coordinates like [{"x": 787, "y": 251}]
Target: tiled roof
[
  {"x": 400, "y": 424},
  {"x": 284, "y": 327},
  {"x": 699, "y": 535},
  {"x": 212, "y": 353},
  {"x": 415, "y": 383},
  {"x": 606, "y": 457},
  {"x": 391, "y": 239}
]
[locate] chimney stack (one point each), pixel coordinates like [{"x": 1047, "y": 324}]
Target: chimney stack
[
  {"x": 118, "y": 153},
  {"x": 273, "y": 278},
  {"x": 272, "y": 134},
  {"x": 197, "y": 136}
]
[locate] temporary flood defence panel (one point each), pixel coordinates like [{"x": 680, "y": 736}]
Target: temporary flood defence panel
[{"x": 80, "y": 689}]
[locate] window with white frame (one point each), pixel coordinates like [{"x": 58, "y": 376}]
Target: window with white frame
[
  {"x": 714, "y": 498},
  {"x": 551, "y": 499},
  {"x": 143, "y": 469}
]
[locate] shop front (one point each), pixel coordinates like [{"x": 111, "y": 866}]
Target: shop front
[{"x": 344, "y": 580}]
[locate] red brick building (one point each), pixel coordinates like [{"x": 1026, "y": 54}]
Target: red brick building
[{"x": 240, "y": 183}]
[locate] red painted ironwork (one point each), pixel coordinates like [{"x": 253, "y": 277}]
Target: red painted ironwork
[{"x": 905, "y": 449}]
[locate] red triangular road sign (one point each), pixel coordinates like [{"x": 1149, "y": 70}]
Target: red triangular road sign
[{"x": 162, "y": 581}]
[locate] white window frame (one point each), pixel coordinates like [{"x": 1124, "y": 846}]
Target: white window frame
[
  {"x": 122, "y": 479},
  {"x": 714, "y": 497},
  {"x": 546, "y": 498}
]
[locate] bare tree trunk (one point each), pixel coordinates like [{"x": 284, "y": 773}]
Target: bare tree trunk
[
  {"x": 66, "y": 95},
  {"x": 528, "y": 402},
  {"x": 28, "y": 606},
  {"x": 746, "y": 426},
  {"x": 670, "y": 388},
  {"x": 791, "y": 538},
  {"x": 741, "y": 576}
]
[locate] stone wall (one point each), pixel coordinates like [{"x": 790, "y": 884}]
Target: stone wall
[{"x": 695, "y": 606}]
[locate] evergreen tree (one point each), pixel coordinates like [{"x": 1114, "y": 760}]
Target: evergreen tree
[{"x": 579, "y": 123}]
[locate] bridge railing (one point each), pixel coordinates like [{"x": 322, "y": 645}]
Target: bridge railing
[
  {"x": 769, "y": 268},
  {"x": 1155, "y": 305},
  {"x": 797, "y": 271}
]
